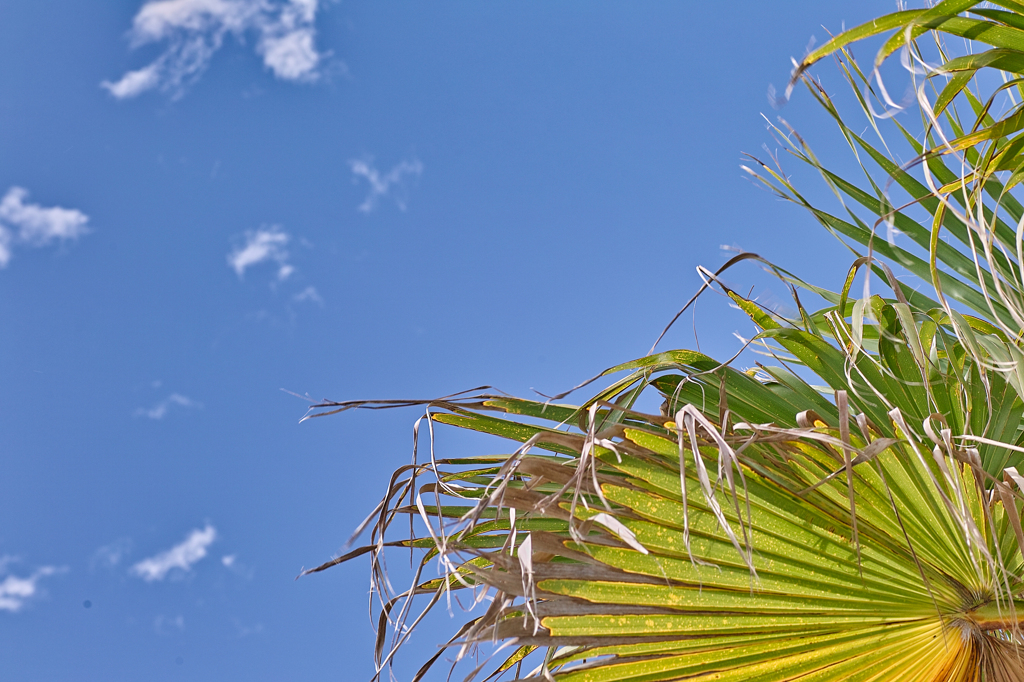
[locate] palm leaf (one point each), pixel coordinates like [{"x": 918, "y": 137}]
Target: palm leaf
[{"x": 849, "y": 510}]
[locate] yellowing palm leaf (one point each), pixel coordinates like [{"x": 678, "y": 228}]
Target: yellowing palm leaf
[{"x": 759, "y": 527}]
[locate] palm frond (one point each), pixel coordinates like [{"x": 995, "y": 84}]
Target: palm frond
[{"x": 848, "y": 510}]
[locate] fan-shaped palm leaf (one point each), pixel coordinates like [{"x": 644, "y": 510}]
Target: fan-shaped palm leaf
[{"x": 760, "y": 527}]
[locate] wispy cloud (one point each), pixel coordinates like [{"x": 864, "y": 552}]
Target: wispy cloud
[
  {"x": 309, "y": 294},
  {"x": 392, "y": 183},
  {"x": 232, "y": 564},
  {"x": 193, "y": 30},
  {"x": 182, "y": 556},
  {"x": 15, "y": 591},
  {"x": 159, "y": 411},
  {"x": 246, "y": 630},
  {"x": 164, "y": 625},
  {"x": 109, "y": 556},
  {"x": 33, "y": 225},
  {"x": 267, "y": 244}
]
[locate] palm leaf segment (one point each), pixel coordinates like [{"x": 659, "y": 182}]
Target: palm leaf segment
[{"x": 760, "y": 527}]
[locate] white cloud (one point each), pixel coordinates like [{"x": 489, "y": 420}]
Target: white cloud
[
  {"x": 382, "y": 185},
  {"x": 181, "y": 556},
  {"x": 135, "y": 82},
  {"x": 195, "y": 29},
  {"x": 287, "y": 45},
  {"x": 308, "y": 294},
  {"x": 34, "y": 225},
  {"x": 5, "y": 246},
  {"x": 262, "y": 245},
  {"x": 39, "y": 226},
  {"x": 15, "y": 591},
  {"x": 239, "y": 569},
  {"x": 159, "y": 411}
]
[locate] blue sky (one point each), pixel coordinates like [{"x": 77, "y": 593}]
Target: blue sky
[{"x": 205, "y": 201}]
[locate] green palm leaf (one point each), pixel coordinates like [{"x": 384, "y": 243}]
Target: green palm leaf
[{"x": 849, "y": 510}]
